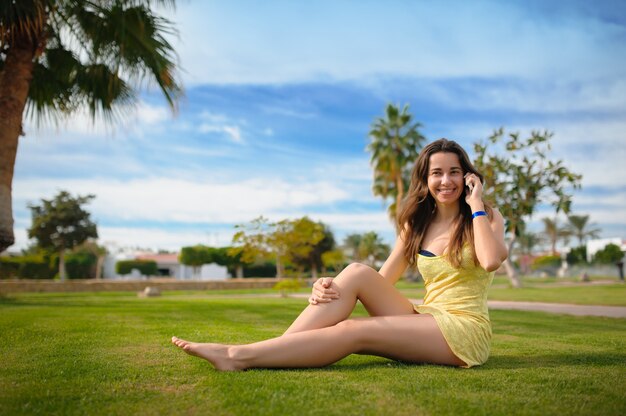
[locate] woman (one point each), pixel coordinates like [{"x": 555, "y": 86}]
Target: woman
[{"x": 455, "y": 239}]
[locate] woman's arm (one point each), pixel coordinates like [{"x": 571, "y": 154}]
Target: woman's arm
[
  {"x": 489, "y": 241},
  {"x": 395, "y": 264},
  {"x": 488, "y": 234}
]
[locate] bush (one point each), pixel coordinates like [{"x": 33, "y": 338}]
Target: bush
[
  {"x": 146, "y": 267},
  {"x": 611, "y": 253},
  {"x": 259, "y": 270},
  {"x": 577, "y": 255},
  {"x": 9, "y": 267},
  {"x": 286, "y": 286},
  {"x": 35, "y": 267},
  {"x": 548, "y": 264},
  {"x": 81, "y": 265}
]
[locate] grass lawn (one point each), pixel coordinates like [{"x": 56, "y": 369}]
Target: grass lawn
[
  {"x": 109, "y": 353},
  {"x": 536, "y": 290}
]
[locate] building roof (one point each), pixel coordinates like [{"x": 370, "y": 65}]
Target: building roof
[{"x": 160, "y": 258}]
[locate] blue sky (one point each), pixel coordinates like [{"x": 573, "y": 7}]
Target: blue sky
[{"x": 280, "y": 96}]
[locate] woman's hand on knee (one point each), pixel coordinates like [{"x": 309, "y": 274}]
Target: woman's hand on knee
[{"x": 323, "y": 291}]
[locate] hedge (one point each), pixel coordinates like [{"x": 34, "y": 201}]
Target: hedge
[
  {"x": 81, "y": 265},
  {"x": 145, "y": 267},
  {"x": 26, "y": 267}
]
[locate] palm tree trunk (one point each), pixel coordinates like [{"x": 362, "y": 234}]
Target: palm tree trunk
[
  {"x": 15, "y": 80},
  {"x": 399, "y": 194}
]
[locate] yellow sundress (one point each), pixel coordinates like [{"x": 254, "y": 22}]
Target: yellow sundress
[{"x": 457, "y": 299}]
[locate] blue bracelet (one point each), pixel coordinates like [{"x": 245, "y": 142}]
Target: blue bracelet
[{"x": 478, "y": 214}]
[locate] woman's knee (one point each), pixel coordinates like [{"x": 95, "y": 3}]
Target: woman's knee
[{"x": 357, "y": 269}]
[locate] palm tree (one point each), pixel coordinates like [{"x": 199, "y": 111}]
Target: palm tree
[
  {"x": 580, "y": 227},
  {"x": 396, "y": 142},
  {"x": 351, "y": 243},
  {"x": 372, "y": 248},
  {"x": 554, "y": 233},
  {"x": 57, "y": 57},
  {"x": 527, "y": 241}
]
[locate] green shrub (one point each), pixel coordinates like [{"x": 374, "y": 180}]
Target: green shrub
[
  {"x": 267, "y": 269},
  {"x": 81, "y": 265},
  {"x": 146, "y": 267},
  {"x": 577, "y": 255},
  {"x": 9, "y": 267},
  {"x": 548, "y": 264},
  {"x": 287, "y": 286},
  {"x": 611, "y": 253},
  {"x": 35, "y": 267}
]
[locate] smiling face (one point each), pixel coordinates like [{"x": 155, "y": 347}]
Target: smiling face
[{"x": 445, "y": 178}]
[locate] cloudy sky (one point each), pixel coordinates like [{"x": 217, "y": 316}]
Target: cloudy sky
[{"x": 280, "y": 96}]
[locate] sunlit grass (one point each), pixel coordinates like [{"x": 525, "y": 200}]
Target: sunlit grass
[{"x": 110, "y": 354}]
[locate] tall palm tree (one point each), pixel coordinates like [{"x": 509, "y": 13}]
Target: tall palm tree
[
  {"x": 581, "y": 228},
  {"x": 60, "y": 56},
  {"x": 527, "y": 241},
  {"x": 351, "y": 243},
  {"x": 395, "y": 144},
  {"x": 372, "y": 248},
  {"x": 553, "y": 233}
]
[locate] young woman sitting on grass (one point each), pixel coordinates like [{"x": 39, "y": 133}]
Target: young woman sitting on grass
[{"x": 457, "y": 242}]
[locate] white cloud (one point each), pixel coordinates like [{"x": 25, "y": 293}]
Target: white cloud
[
  {"x": 131, "y": 120},
  {"x": 234, "y": 133},
  {"x": 177, "y": 200},
  {"x": 220, "y": 123},
  {"x": 150, "y": 114}
]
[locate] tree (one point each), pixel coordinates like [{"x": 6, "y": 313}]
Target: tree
[
  {"x": 527, "y": 241},
  {"x": 294, "y": 239},
  {"x": 226, "y": 256},
  {"x": 251, "y": 241},
  {"x": 611, "y": 253},
  {"x": 372, "y": 248},
  {"x": 581, "y": 228},
  {"x": 395, "y": 145},
  {"x": 58, "y": 57},
  {"x": 521, "y": 178},
  {"x": 334, "y": 259},
  {"x": 286, "y": 240},
  {"x": 352, "y": 243},
  {"x": 61, "y": 224},
  {"x": 100, "y": 252},
  {"x": 553, "y": 233},
  {"x": 314, "y": 258},
  {"x": 196, "y": 256}
]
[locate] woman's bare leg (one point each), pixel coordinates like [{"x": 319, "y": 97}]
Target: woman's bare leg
[
  {"x": 412, "y": 338},
  {"x": 355, "y": 282}
]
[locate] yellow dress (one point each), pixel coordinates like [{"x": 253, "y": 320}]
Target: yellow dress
[{"x": 457, "y": 299}]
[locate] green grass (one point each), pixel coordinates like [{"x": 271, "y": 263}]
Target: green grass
[
  {"x": 109, "y": 353},
  {"x": 614, "y": 295},
  {"x": 545, "y": 290}
]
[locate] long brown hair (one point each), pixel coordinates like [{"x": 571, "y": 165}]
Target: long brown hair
[{"x": 418, "y": 207}]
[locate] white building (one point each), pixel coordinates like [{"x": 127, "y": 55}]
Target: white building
[{"x": 167, "y": 265}]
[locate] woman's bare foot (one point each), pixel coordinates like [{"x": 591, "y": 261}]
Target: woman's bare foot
[{"x": 216, "y": 354}]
